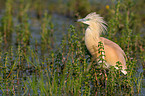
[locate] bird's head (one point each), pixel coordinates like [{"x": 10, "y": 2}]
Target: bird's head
[{"x": 92, "y": 17}]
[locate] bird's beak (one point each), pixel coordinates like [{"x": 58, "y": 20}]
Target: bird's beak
[{"x": 80, "y": 20}]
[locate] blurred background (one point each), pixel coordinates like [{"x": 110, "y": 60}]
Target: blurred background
[{"x": 62, "y": 13}]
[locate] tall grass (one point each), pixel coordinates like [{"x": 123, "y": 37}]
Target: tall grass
[{"x": 7, "y": 23}]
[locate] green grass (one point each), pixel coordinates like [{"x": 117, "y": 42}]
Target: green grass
[{"x": 41, "y": 68}]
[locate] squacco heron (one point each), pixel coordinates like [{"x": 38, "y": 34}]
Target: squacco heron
[{"x": 113, "y": 52}]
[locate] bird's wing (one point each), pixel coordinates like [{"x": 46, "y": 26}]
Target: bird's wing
[{"x": 113, "y": 44}]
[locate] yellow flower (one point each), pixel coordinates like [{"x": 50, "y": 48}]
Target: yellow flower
[{"x": 107, "y": 6}]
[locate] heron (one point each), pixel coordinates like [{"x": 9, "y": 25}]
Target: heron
[{"x": 112, "y": 51}]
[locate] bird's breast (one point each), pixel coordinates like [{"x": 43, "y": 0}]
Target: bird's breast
[{"x": 91, "y": 43}]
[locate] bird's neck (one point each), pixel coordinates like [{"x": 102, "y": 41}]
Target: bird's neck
[
  {"x": 93, "y": 31},
  {"x": 92, "y": 38}
]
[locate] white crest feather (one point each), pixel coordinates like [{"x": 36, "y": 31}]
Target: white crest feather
[{"x": 99, "y": 19}]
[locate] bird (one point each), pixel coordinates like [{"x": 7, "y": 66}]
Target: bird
[{"x": 112, "y": 51}]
